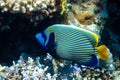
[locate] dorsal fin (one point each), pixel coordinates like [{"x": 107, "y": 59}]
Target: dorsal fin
[{"x": 92, "y": 37}]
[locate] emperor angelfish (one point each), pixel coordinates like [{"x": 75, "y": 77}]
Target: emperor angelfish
[{"x": 72, "y": 43}]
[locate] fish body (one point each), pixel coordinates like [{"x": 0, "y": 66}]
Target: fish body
[{"x": 72, "y": 43}]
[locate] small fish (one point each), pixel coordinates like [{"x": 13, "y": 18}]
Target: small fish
[{"x": 68, "y": 42}]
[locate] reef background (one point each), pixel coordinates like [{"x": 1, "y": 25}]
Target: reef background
[{"x": 18, "y": 29}]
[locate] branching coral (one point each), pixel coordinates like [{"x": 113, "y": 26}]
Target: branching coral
[
  {"x": 34, "y": 10},
  {"x": 26, "y": 6},
  {"x": 30, "y": 69}
]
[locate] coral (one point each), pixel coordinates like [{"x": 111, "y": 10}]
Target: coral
[
  {"x": 117, "y": 75},
  {"x": 65, "y": 7},
  {"x": 2, "y": 68},
  {"x": 27, "y": 6},
  {"x": 88, "y": 14},
  {"x": 41, "y": 69},
  {"x": 34, "y": 10},
  {"x": 85, "y": 17},
  {"x": 117, "y": 65},
  {"x": 46, "y": 67}
]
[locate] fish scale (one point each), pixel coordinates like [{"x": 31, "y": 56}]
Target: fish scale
[
  {"x": 76, "y": 36},
  {"x": 71, "y": 43}
]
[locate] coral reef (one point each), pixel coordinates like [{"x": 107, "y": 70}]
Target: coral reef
[
  {"x": 34, "y": 10},
  {"x": 27, "y": 68},
  {"x": 65, "y": 7},
  {"x": 85, "y": 17},
  {"x": 88, "y": 14},
  {"x": 20, "y": 20},
  {"x": 27, "y": 6},
  {"x": 117, "y": 65}
]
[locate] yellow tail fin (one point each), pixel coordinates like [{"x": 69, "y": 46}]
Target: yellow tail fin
[{"x": 103, "y": 52}]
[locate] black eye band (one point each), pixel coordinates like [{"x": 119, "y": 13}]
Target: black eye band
[
  {"x": 51, "y": 41},
  {"x": 44, "y": 36}
]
